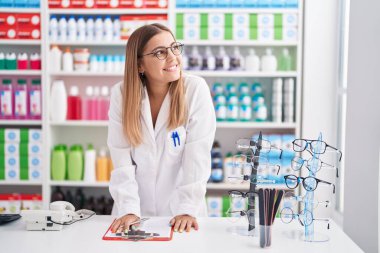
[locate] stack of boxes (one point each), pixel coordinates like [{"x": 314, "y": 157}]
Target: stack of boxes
[
  {"x": 108, "y": 4},
  {"x": 237, "y": 26},
  {"x": 129, "y": 23},
  {"x": 14, "y": 203},
  {"x": 20, "y": 154},
  {"x": 20, "y": 26}
]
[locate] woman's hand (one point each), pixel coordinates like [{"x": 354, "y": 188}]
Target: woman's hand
[
  {"x": 184, "y": 222},
  {"x": 123, "y": 223}
]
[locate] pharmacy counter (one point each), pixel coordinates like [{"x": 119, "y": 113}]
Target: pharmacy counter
[{"x": 214, "y": 235}]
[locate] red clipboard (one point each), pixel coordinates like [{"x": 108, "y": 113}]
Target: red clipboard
[{"x": 152, "y": 239}]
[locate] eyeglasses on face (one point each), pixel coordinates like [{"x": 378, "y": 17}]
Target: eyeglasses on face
[
  {"x": 162, "y": 52},
  {"x": 299, "y": 162},
  {"x": 309, "y": 183},
  {"x": 316, "y": 146}
]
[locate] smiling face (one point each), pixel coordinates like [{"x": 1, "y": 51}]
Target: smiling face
[{"x": 159, "y": 71}]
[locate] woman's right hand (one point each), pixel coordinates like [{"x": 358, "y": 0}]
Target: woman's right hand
[{"x": 123, "y": 223}]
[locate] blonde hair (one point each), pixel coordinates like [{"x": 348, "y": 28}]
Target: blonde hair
[{"x": 133, "y": 89}]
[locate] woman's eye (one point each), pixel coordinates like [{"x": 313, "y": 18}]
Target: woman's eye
[{"x": 159, "y": 52}]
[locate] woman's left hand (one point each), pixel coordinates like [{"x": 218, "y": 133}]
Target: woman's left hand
[{"x": 184, "y": 222}]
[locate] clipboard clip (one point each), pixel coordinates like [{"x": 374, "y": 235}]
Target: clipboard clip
[{"x": 139, "y": 235}]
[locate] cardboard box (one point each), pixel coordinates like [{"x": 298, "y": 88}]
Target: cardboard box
[
  {"x": 28, "y": 19},
  {"x": 10, "y": 203},
  {"x": 59, "y": 4}
]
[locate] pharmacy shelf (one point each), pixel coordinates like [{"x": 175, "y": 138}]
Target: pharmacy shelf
[
  {"x": 81, "y": 123},
  {"x": 247, "y": 43},
  {"x": 16, "y": 183},
  {"x": 20, "y": 42},
  {"x": 243, "y": 74},
  {"x": 79, "y": 184},
  {"x": 11, "y": 122},
  {"x": 236, "y": 10},
  {"x": 197, "y": 73},
  {"x": 117, "y": 11},
  {"x": 20, "y": 10},
  {"x": 117, "y": 43},
  {"x": 87, "y": 74},
  {"x": 20, "y": 72},
  {"x": 257, "y": 125}
]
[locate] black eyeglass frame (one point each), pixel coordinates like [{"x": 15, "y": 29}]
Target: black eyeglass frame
[{"x": 167, "y": 48}]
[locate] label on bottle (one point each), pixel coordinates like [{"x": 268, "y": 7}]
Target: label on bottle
[
  {"x": 20, "y": 103},
  {"x": 6, "y": 103},
  {"x": 35, "y": 103},
  {"x": 232, "y": 112},
  {"x": 221, "y": 111},
  {"x": 217, "y": 175}
]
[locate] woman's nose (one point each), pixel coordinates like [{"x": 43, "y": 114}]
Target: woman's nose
[{"x": 170, "y": 55}]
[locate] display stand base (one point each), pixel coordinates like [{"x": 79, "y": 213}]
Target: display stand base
[
  {"x": 243, "y": 231},
  {"x": 317, "y": 237}
]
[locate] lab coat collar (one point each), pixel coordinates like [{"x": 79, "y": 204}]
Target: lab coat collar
[{"x": 162, "y": 117}]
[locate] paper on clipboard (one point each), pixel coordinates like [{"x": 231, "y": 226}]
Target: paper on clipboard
[{"x": 158, "y": 225}]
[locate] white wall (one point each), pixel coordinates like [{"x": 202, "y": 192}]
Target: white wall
[
  {"x": 363, "y": 125},
  {"x": 320, "y": 70}
]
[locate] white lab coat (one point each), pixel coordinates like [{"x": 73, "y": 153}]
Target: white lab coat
[{"x": 167, "y": 174}]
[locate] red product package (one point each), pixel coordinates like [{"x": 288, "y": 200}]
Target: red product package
[
  {"x": 28, "y": 32},
  {"x": 56, "y": 4},
  {"x": 8, "y": 20},
  {"x": 7, "y": 33},
  {"x": 28, "y": 19},
  {"x": 156, "y": 3}
]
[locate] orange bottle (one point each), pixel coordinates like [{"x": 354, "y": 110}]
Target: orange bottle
[
  {"x": 110, "y": 168},
  {"x": 102, "y": 166}
]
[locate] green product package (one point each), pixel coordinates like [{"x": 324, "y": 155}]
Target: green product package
[
  {"x": 253, "y": 20},
  {"x": 278, "y": 20},
  {"x": 24, "y": 174},
  {"x": 2, "y": 174},
  {"x": 180, "y": 20},
  {"x": 204, "y": 33},
  {"x": 58, "y": 163},
  {"x": 226, "y": 205},
  {"x": 179, "y": 33},
  {"x": 11, "y": 64},
  {"x": 278, "y": 33},
  {"x": 24, "y": 162},
  {"x": 75, "y": 163}
]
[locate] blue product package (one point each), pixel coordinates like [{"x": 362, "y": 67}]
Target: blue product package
[
  {"x": 264, "y": 3},
  {"x": 278, "y": 3},
  {"x": 224, "y": 3},
  {"x": 287, "y": 142},
  {"x": 181, "y": 3},
  {"x": 286, "y": 167},
  {"x": 237, "y": 4},
  {"x": 250, "y": 3},
  {"x": 210, "y": 3},
  {"x": 6, "y": 3},
  {"x": 20, "y": 3},
  {"x": 291, "y": 3},
  {"x": 195, "y": 4}
]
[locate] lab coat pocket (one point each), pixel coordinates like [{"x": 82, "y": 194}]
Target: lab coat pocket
[{"x": 176, "y": 140}]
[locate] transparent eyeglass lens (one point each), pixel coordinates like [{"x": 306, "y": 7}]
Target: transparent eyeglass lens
[
  {"x": 265, "y": 146},
  {"x": 291, "y": 181},
  {"x": 243, "y": 144},
  {"x": 310, "y": 184},
  {"x": 314, "y": 163},
  {"x": 299, "y": 145},
  {"x": 297, "y": 163},
  {"x": 318, "y": 147},
  {"x": 251, "y": 216},
  {"x": 287, "y": 215},
  {"x": 306, "y": 217},
  {"x": 233, "y": 216}
]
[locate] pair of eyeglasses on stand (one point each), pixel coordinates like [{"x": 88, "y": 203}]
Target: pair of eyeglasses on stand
[
  {"x": 263, "y": 145},
  {"x": 315, "y": 146},
  {"x": 305, "y": 217},
  {"x": 308, "y": 183},
  {"x": 234, "y": 213},
  {"x": 291, "y": 200},
  {"x": 298, "y": 162}
]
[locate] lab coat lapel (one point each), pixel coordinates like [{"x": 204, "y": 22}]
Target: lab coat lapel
[
  {"x": 163, "y": 115},
  {"x": 147, "y": 115}
]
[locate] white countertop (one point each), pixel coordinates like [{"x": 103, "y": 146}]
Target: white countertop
[{"x": 213, "y": 236}]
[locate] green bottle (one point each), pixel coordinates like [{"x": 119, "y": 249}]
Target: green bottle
[
  {"x": 58, "y": 162},
  {"x": 285, "y": 63},
  {"x": 75, "y": 163}
]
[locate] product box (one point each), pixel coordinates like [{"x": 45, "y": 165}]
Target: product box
[
  {"x": 10, "y": 203},
  {"x": 126, "y": 4},
  {"x": 12, "y": 161},
  {"x": 224, "y": 3},
  {"x": 241, "y": 33},
  {"x": 129, "y": 23},
  {"x": 195, "y": 3},
  {"x": 215, "y": 33},
  {"x": 241, "y": 20},
  {"x": 6, "y": 3},
  {"x": 265, "y": 20},
  {"x": 34, "y": 161},
  {"x": 35, "y": 174},
  {"x": 28, "y": 19},
  {"x": 28, "y": 32},
  {"x": 278, "y": 3},
  {"x": 8, "y": 20},
  {"x": 105, "y": 4},
  {"x": 251, "y": 3},
  {"x": 287, "y": 34},
  {"x": 31, "y": 202},
  {"x": 78, "y": 4},
  {"x": 20, "y": 3},
  {"x": 238, "y": 204},
  {"x": 22, "y": 149},
  {"x": 265, "y": 34},
  {"x": 59, "y": 4},
  {"x": 214, "y": 204},
  {"x": 191, "y": 33},
  {"x": 264, "y": 3},
  {"x": 7, "y": 33},
  {"x": 208, "y": 3},
  {"x": 12, "y": 174},
  {"x": 156, "y": 4},
  {"x": 34, "y": 135},
  {"x": 287, "y": 19},
  {"x": 215, "y": 20},
  {"x": 192, "y": 19}
]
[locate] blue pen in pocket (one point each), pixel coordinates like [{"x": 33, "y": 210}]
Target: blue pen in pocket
[{"x": 175, "y": 137}]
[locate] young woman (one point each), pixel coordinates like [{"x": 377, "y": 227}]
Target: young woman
[{"x": 161, "y": 129}]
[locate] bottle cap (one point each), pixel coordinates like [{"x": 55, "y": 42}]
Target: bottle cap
[
  {"x": 96, "y": 91},
  {"x": 36, "y": 82},
  {"x": 105, "y": 91},
  {"x": 89, "y": 91},
  {"x": 21, "y": 81},
  {"x": 7, "y": 81},
  {"x": 74, "y": 91}
]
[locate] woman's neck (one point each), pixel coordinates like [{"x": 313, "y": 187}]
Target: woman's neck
[{"x": 157, "y": 91}]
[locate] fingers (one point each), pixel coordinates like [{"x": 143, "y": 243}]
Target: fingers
[
  {"x": 115, "y": 225},
  {"x": 172, "y": 221},
  {"x": 195, "y": 225},
  {"x": 188, "y": 227},
  {"x": 183, "y": 225},
  {"x": 177, "y": 224}
]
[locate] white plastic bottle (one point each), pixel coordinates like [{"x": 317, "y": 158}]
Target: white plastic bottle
[
  {"x": 222, "y": 60},
  {"x": 58, "y": 101},
  {"x": 109, "y": 64},
  {"x": 195, "y": 59},
  {"x": 94, "y": 63},
  {"x": 90, "y": 28},
  {"x": 67, "y": 61},
  {"x": 277, "y": 100},
  {"x": 81, "y": 29},
  {"x": 90, "y": 164},
  {"x": 252, "y": 61},
  {"x": 237, "y": 60},
  {"x": 53, "y": 28},
  {"x": 62, "y": 29},
  {"x": 99, "y": 30},
  {"x": 108, "y": 29},
  {"x": 289, "y": 100},
  {"x": 72, "y": 29},
  {"x": 116, "y": 29},
  {"x": 268, "y": 61},
  {"x": 55, "y": 63},
  {"x": 208, "y": 60}
]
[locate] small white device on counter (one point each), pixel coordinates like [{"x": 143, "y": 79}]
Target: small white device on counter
[{"x": 61, "y": 213}]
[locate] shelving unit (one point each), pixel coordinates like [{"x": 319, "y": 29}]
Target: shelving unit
[
  {"x": 25, "y": 72},
  {"x": 70, "y": 131}
]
